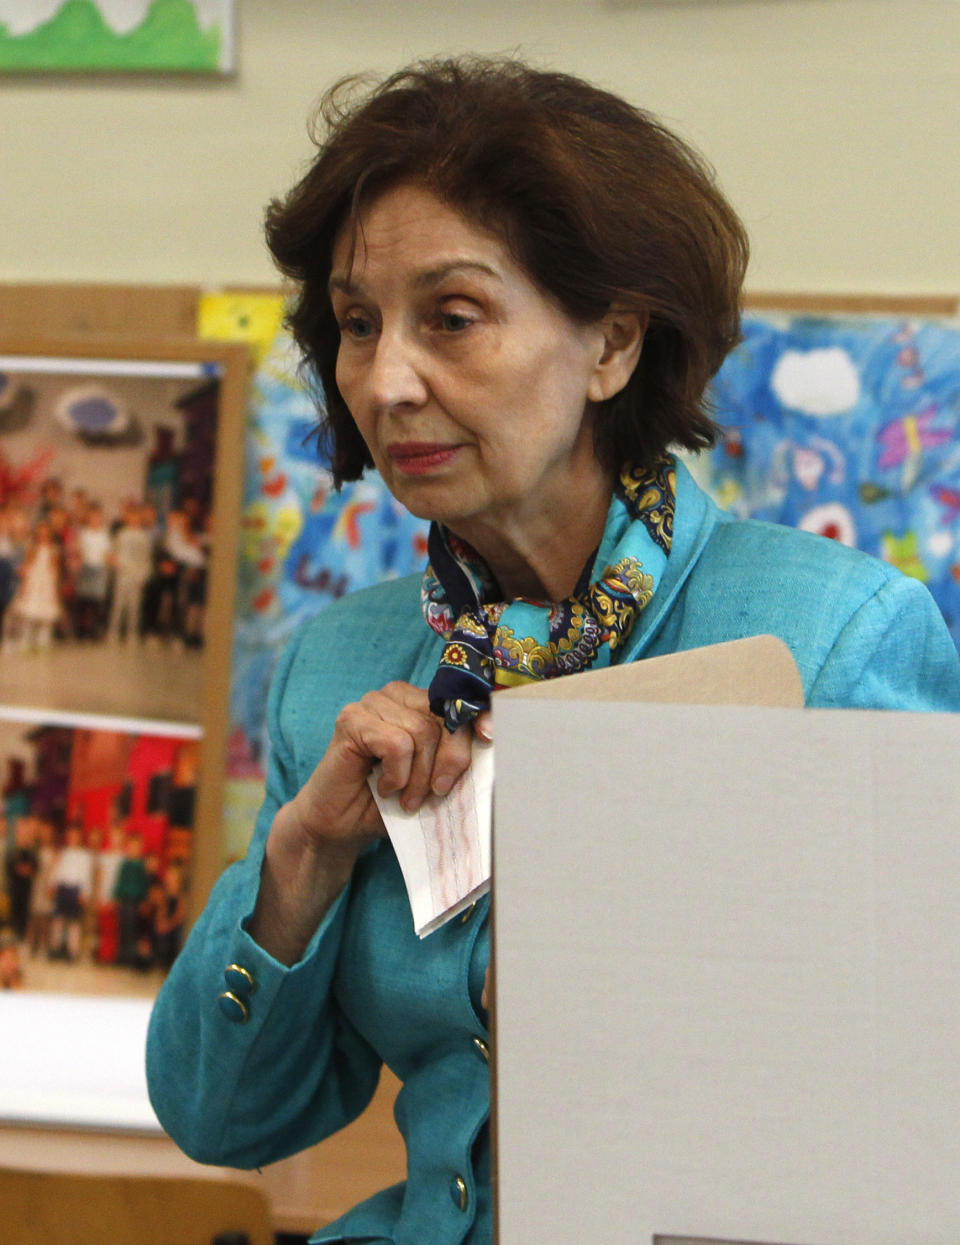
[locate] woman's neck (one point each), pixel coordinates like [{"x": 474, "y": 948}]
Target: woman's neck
[{"x": 542, "y": 556}]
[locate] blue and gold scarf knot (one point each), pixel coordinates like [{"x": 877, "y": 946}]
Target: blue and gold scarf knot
[{"x": 492, "y": 643}]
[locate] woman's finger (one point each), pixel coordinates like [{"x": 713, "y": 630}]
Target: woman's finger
[
  {"x": 454, "y": 752},
  {"x": 407, "y": 755},
  {"x": 391, "y": 735}
]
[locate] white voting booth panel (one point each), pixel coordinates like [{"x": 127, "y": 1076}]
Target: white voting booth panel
[{"x": 727, "y": 951}]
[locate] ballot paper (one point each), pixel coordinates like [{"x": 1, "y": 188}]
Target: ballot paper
[{"x": 444, "y": 847}]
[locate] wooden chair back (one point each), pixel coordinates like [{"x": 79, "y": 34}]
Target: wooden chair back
[{"x": 128, "y": 1210}]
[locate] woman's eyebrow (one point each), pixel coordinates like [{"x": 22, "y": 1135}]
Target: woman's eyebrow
[
  {"x": 422, "y": 280},
  {"x": 433, "y": 276},
  {"x": 343, "y": 284}
]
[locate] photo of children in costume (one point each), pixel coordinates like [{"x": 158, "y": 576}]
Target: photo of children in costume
[
  {"x": 96, "y": 838},
  {"x": 105, "y": 542}
]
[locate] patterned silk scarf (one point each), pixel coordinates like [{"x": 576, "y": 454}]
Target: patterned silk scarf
[{"x": 493, "y": 643}]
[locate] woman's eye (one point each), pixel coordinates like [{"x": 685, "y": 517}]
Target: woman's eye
[
  {"x": 357, "y": 327},
  {"x": 454, "y": 321}
]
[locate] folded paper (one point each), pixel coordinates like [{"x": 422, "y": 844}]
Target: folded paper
[{"x": 444, "y": 847}]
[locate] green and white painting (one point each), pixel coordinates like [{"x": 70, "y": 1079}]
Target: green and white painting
[{"x": 116, "y": 36}]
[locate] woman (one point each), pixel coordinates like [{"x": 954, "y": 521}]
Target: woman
[{"x": 514, "y": 288}]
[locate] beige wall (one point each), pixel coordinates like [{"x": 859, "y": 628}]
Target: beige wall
[{"x": 834, "y": 124}]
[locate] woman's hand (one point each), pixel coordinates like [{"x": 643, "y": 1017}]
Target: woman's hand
[
  {"x": 417, "y": 755},
  {"x": 316, "y": 837}
]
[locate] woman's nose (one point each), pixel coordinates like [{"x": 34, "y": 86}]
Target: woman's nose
[{"x": 396, "y": 375}]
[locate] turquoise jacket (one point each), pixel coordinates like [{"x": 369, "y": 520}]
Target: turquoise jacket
[{"x": 367, "y": 990}]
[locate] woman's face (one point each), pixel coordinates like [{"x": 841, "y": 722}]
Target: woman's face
[{"x": 468, "y": 384}]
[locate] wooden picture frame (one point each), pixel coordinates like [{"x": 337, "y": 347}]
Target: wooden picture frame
[
  {"x": 933, "y": 305},
  {"x": 114, "y": 360}
]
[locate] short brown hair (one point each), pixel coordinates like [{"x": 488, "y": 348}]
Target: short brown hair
[{"x": 597, "y": 201}]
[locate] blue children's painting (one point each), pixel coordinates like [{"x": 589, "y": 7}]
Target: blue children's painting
[
  {"x": 849, "y": 428},
  {"x": 846, "y": 427}
]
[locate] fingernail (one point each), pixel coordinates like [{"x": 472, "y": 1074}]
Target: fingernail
[
  {"x": 442, "y": 784},
  {"x": 485, "y": 733}
]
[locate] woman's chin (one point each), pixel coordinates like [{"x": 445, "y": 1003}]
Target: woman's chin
[{"x": 434, "y": 500}]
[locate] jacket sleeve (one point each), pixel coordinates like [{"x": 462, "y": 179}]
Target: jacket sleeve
[
  {"x": 894, "y": 652},
  {"x": 242, "y": 1092}
]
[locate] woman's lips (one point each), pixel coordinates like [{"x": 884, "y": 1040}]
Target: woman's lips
[{"x": 419, "y": 457}]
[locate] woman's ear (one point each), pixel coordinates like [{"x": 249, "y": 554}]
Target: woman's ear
[{"x": 623, "y": 332}]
